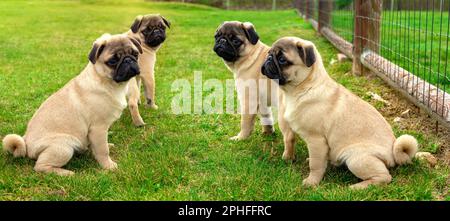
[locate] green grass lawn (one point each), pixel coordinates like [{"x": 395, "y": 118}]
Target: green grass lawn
[
  {"x": 175, "y": 157},
  {"x": 416, "y": 41}
]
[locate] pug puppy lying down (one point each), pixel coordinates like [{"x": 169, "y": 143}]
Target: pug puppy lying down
[
  {"x": 337, "y": 126},
  {"x": 78, "y": 116}
]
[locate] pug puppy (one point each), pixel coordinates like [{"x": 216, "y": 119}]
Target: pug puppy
[
  {"x": 337, "y": 125},
  {"x": 243, "y": 53},
  {"x": 77, "y": 117},
  {"x": 151, "y": 31}
]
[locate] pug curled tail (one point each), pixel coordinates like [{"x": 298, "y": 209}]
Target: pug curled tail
[
  {"x": 404, "y": 149},
  {"x": 15, "y": 145}
]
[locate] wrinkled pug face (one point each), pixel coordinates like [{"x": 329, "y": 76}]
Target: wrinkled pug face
[
  {"x": 151, "y": 29},
  {"x": 233, "y": 40},
  {"x": 290, "y": 61},
  {"x": 116, "y": 57}
]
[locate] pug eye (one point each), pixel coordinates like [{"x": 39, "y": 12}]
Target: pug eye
[
  {"x": 282, "y": 60},
  {"x": 236, "y": 41},
  {"x": 148, "y": 30},
  {"x": 113, "y": 61}
]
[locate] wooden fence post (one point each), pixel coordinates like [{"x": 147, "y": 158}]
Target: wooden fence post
[
  {"x": 309, "y": 9},
  {"x": 367, "y": 15},
  {"x": 301, "y": 6},
  {"x": 325, "y": 9}
]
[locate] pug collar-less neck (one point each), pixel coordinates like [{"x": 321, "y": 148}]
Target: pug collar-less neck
[{"x": 148, "y": 49}]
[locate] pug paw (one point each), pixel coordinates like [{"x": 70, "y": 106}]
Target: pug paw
[
  {"x": 67, "y": 173},
  {"x": 138, "y": 122},
  {"x": 64, "y": 172},
  {"x": 109, "y": 165},
  {"x": 358, "y": 186},
  {"x": 151, "y": 104},
  {"x": 310, "y": 182},
  {"x": 289, "y": 157},
  {"x": 154, "y": 107},
  {"x": 268, "y": 130},
  {"x": 239, "y": 137}
]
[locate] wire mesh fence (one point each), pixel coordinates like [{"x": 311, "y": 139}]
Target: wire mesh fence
[{"x": 404, "y": 42}]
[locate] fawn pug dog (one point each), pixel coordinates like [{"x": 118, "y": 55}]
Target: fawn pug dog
[
  {"x": 77, "y": 117},
  {"x": 243, "y": 53},
  {"x": 337, "y": 125},
  {"x": 151, "y": 31}
]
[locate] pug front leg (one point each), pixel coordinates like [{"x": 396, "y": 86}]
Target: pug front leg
[
  {"x": 318, "y": 161},
  {"x": 149, "y": 89},
  {"x": 247, "y": 124},
  {"x": 288, "y": 138},
  {"x": 266, "y": 118},
  {"x": 133, "y": 101},
  {"x": 98, "y": 137}
]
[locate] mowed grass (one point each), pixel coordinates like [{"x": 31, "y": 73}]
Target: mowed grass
[
  {"x": 417, "y": 41},
  {"x": 175, "y": 157}
]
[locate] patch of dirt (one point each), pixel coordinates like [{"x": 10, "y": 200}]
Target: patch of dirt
[
  {"x": 417, "y": 119},
  {"x": 59, "y": 192}
]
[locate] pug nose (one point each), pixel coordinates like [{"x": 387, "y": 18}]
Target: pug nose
[
  {"x": 127, "y": 60},
  {"x": 157, "y": 31},
  {"x": 135, "y": 69}
]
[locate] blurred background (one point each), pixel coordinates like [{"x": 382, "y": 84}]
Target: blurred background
[{"x": 240, "y": 4}]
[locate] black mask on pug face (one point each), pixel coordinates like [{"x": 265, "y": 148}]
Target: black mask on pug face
[
  {"x": 122, "y": 58},
  {"x": 277, "y": 64},
  {"x": 154, "y": 35},
  {"x": 125, "y": 67},
  {"x": 152, "y": 27},
  {"x": 227, "y": 46},
  {"x": 273, "y": 67},
  {"x": 230, "y": 37}
]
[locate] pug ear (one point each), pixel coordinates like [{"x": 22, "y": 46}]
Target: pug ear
[
  {"x": 307, "y": 54},
  {"x": 137, "y": 43},
  {"x": 136, "y": 24},
  {"x": 166, "y": 22},
  {"x": 96, "y": 51},
  {"x": 218, "y": 28},
  {"x": 250, "y": 32}
]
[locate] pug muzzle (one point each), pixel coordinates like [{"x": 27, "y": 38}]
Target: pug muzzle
[
  {"x": 127, "y": 69},
  {"x": 271, "y": 69},
  {"x": 154, "y": 37},
  {"x": 225, "y": 49}
]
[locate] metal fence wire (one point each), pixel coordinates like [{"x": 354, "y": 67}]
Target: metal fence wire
[{"x": 405, "y": 42}]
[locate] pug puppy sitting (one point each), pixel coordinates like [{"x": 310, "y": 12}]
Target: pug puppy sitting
[
  {"x": 243, "y": 53},
  {"x": 337, "y": 125},
  {"x": 151, "y": 31},
  {"x": 78, "y": 116}
]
